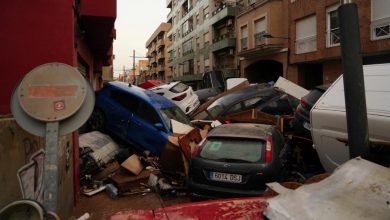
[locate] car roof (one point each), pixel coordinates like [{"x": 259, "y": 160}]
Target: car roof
[
  {"x": 148, "y": 96},
  {"x": 242, "y": 94},
  {"x": 242, "y": 130}
]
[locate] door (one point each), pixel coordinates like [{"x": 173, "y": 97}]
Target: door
[
  {"x": 144, "y": 132},
  {"x": 120, "y": 112}
]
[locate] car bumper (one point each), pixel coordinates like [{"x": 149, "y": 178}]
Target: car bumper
[
  {"x": 191, "y": 105},
  {"x": 203, "y": 191}
]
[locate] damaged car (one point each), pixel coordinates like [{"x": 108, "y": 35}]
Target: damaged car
[
  {"x": 237, "y": 160},
  {"x": 179, "y": 93},
  {"x": 137, "y": 116},
  {"x": 261, "y": 97}
]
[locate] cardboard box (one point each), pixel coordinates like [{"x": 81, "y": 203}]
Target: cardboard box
[{"x": 133, "y": 164}]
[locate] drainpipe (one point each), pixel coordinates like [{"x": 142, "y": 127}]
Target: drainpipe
[{"x": 355, "y": 99}]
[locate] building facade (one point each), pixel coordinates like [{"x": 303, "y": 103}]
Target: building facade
[
  {"x": 315, "y": 56},
  {"x": 79, "y": 33},
  {"x": 203, "y": 38},
  {"x": 262, "y": 30},
  {"x": 157, "y": 54}
]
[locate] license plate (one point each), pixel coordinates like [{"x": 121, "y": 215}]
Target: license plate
[{"x": 225, "y": 177}]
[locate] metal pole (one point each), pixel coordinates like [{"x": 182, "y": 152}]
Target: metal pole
[
  {"x": 51, "y": 167},
  {"x": 355, "y": 99},
  {"x": 134, "y": 67}
]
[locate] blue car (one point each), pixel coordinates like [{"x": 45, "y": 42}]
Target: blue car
[{"x": 140, "y": 117}]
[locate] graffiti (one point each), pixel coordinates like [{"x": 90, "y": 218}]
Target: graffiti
[
  {"x": 30, "y": 146},
  {"x": 31, "y": 177},
  {"x": 67, "y": 156}
]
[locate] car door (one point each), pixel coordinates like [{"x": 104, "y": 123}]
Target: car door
[
  {"x": 120, "y": 112},
  {"x": 144, "y": 132}
]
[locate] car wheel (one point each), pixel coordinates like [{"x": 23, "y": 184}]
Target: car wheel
[{"x": 97, "y": 120}]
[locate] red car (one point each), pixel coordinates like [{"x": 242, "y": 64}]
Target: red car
[{"x": 245, "y": 208}]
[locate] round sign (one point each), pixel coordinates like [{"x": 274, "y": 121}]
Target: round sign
[{"x": 52, "y": 92}]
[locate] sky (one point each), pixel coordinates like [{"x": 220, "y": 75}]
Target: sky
[{"x": 135, "y": 23}]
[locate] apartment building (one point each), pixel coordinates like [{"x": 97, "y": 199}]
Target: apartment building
[
  {"x": 203, "y": 37},
  {"x": 315, "y": 55},
  {"x": 157, "y": 54},
  {"x": 262, "y": 30}
]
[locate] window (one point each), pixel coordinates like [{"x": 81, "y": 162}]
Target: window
[
  {"x": 260, "y": 30},
  {"x": 205, "y": 13},
  {"x": 333, "y": 27},
  {"x": 187, "y": 47},
  {"x": 178, "y": 88},
  {"x": 244, "y": 37},
  {"x": 380, "y": 19},
  {"x": 127, "y": 101},
  {"x": 206, "y": 64},
  {"x": 225, "y": 149},
  {"x": 148, "y": 114},
  {"x": 306, "y": 35},
  {"x": 206, "y": 37}
]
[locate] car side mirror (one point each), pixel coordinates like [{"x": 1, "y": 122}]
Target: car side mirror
[{"x": 159, "y": 126}]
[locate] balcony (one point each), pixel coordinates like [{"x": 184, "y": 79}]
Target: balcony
[
  {"x": 222, "y": 13},
  {"x": 161, "y": 68},
  {"x": 189, "y": 77},
  {"x": 249, "y": 5},
  {"x": 222, "y": 42},
  {"x": 98, "y": 18},
  {"x": 187, "y": 52},
  {"x": 153, "y": 60},
  {"x": 160, "y": 56},
  {"x": 306, "y": 45},
  {"x": 187, "y": 32},
  {"x": 260, "y": 40},
  {"x": 160, "y": 43}
]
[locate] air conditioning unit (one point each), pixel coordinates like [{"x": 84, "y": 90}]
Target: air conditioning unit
[{"x": 229, "y": 22}]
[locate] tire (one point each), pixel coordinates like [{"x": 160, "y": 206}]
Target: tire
[{"x": 97, "y": 120}]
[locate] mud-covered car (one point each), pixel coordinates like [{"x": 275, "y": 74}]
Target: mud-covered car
[
  {"x": 261, "y": 97},
  {"x": 237, "y": 160}
]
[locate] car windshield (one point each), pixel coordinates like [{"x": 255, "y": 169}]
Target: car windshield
[
  {"x": 178, "y": 88},
  {"x": 174, "y": 113},
  {"x": 228, "y": 149},
  {"x": 216, "y": 108}
]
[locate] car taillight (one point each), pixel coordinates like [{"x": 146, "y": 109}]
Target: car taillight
[
  {"x": 303, "y": 103},
  {"x": 197, "y": 149},
  {"x": 180, "y": 97},
  {"x": 268, "y": 150}
]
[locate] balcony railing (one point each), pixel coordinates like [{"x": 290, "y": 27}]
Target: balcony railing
[
  {"x": 188, "y": 52},
  {"x": 260, "y": 39},
  {"x": 333, "y": 38},
  {"x": 224, "y": 36},
  {"x": 185, "y": 33},
  {"x": 380, "y": 29},
  {"x": 306, "y": 45},
  {"x": 160, "y": 56},
  {"x": 251, "y": 5},
  {"x": 244, "y": 43},
  {"x": 160, "y": 43}
]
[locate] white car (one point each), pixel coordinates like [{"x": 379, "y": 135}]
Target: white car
[{"x": 179, "y": 93}]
